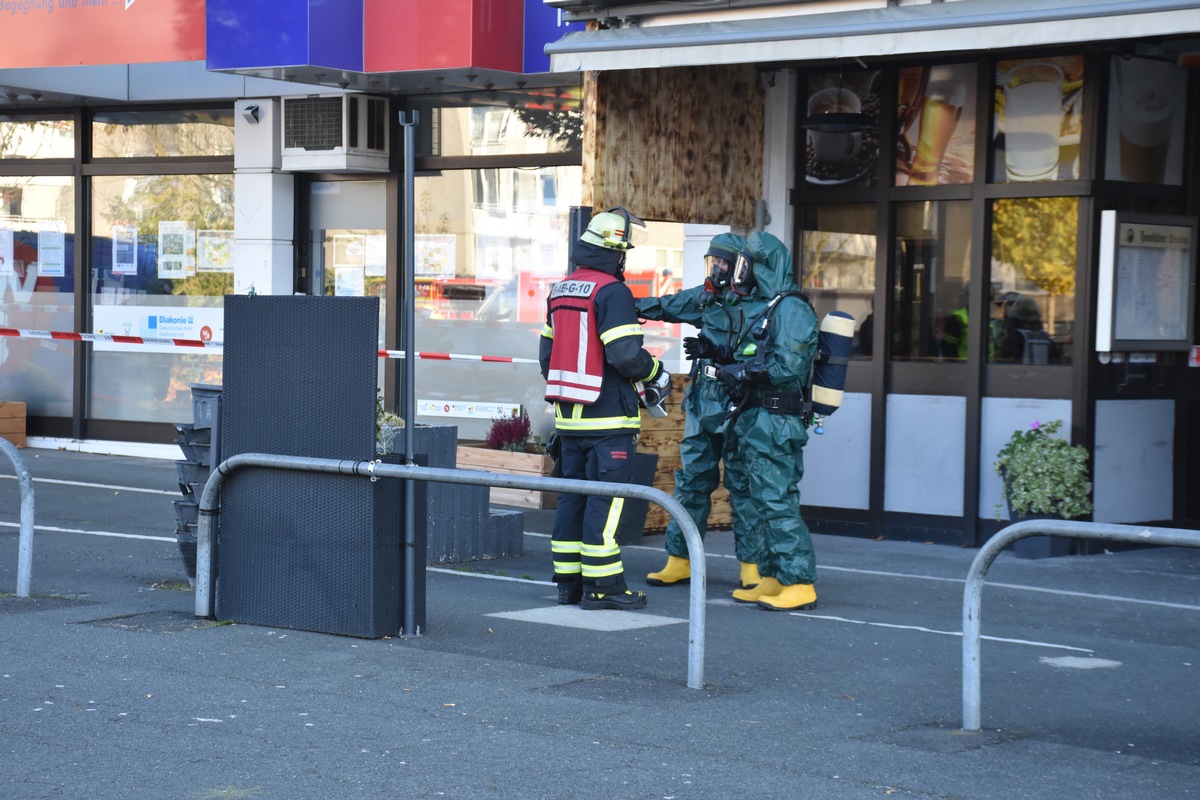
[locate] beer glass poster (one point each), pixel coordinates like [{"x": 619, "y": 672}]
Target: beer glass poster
[
  {"x": 935, "y": 125},
  {"x": 1146, "y": 104},
  {"x": 1038, "y": 119}
]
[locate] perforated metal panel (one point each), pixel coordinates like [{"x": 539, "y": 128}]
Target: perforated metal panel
[
  {"x": 310, "y": 551},
  {"x": 312, "y": 123}
]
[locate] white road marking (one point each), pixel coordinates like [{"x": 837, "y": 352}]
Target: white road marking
[
  {"x": 113, "y": 534},
  {"x": 1075, "y": 662},
  {"x": 100, "y": 486},
  {"x": 921, "y": 629},
  {"x": 575, "y": 617}
]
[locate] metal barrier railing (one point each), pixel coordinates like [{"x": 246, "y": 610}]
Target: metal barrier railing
[
  {"x": 209, "y": 510},
  {"x": 25, "y": 540},
  {"x": 973, "y": 593}
]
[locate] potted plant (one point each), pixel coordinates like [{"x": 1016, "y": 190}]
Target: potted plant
[
  {"x": 510, "y": 448},
  {"x": 1044, "y": 476},
  {"x": 387, "y": 428},
  {"x": 509, "y": 433}
]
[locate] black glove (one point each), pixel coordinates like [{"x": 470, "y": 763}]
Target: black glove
[
  {"x": 702, "y": 347},
  {"x": 741, "y": 374},
  {"x": 698, "y": 347}
]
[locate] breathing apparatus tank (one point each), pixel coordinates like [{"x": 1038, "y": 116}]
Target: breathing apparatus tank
[{"x": 829, "y": 367}]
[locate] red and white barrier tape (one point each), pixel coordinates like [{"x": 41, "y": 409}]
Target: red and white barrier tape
[
  {"x": 117, "y": 339},
  {"x": 105, "y": 337},
  {"x": 458, "y": 357}
]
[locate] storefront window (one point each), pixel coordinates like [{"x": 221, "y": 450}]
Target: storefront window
[
  {"x": 546, "y": 122},
  {"x": 161, "y": 261},
  {"x": 1034, "y": 247},
  {"x": 45, "y": 137},
  {"x": 1038, "y": 119},
  {"x": 935, "y": 113},
  {"x": 37, "y": 284},
  {"x": 160, "y": 134},
  {"x": 483, "y": 271},
  {"x": 929, "y": 293},
  {"x": 837, "y": 269}
]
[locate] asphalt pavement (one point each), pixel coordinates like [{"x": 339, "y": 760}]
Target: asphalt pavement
[{"x": 110, "y": 687}]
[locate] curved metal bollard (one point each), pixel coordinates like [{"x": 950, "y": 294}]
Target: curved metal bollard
[
  {"x": 209, "y": 509},
  {"x": 25, "y": 541},
  {"x": 973, "y": 593}
]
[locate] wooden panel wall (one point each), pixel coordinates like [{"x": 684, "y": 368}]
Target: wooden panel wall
[{"x": 681, "y": 145}]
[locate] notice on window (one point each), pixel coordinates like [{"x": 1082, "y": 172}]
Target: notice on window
[
  {"x": 349, "y": 251},
  {"x": 176, "y": 250},
  {"x": 214, "y": 251},
  {"x": 124, "y": 249},
  {"x": 1153, "y": 282},
  {"x": 466, "y": 409},
  {"x": 52, "y": 252},
  {"x": 434, "y": 254},
  {"x": 349, "y": 282},
  {"x": 376, "y": 255}
]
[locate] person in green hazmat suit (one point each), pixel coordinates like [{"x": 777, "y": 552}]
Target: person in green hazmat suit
[
  {"x": 764, "y": 447},
  {"x": 720, "y": 315}
]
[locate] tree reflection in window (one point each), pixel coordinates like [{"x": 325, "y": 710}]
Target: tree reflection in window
[{"x": 1034, "y": 251}]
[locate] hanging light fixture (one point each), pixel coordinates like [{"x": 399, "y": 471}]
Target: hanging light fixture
[{"x": 833, "y": 120}]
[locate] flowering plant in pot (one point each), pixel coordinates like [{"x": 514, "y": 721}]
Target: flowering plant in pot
[
  {"x": 510, "y": 448},
  {"x": 509, "y": 433},
  {"x": 1043, "y": 473}
]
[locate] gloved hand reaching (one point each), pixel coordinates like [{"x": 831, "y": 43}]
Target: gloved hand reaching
[
  {"x": 740, "y": 374},
  {"x": 702, "y": 347}
]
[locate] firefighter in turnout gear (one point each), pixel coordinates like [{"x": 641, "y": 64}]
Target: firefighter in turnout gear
[
  {"x": 720, "y": 315},
  {"x": 765, "y": 447},
  {"x": 594, "y": 364}
]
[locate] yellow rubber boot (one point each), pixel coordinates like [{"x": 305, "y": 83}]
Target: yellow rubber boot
[
  {"x": 791, "y": 598},
  {"x": 750, "y": 576},
  {"x": 765, "y": 587},
  {"x": 677, "y": 570}
]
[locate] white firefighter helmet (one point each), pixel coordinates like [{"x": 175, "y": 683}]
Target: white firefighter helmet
[{"x": 611, "y": 229}]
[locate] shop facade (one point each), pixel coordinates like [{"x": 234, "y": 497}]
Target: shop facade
[{"x": 930, "y": 164}]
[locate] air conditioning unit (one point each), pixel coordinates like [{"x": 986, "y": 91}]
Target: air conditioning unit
[{"x": 335, "y": 133}]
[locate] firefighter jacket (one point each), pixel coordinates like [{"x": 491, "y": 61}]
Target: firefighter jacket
[{"x": 591, "y": 355}]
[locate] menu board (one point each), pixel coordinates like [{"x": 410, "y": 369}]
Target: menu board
[{"x": 1147, "y": 282}]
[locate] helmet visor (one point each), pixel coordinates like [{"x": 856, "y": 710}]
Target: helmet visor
[
  {"x": 717, "y": 269},
  {"x": 742, "y": 280}
]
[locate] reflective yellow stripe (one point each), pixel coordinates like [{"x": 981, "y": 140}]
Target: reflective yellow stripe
[
  {"x": 567, "y": 567},
  {"x": 565, "y": 547},
  {"x": 604, "y": 571},
  {"x": 614, "y": 519},
  {"x": 599, "y": 551},
  {"x": 547, "y": 331},
  {"x": 597, "y": 423},
  {"x": 612, "y": 334}
]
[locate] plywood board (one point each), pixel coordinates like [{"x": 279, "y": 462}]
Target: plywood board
[{"x": 663, "y": 149}]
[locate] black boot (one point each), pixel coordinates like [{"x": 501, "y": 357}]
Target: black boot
[
  {"x": 570, "y": 593},
  {"x": 628, "y": 600}
]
